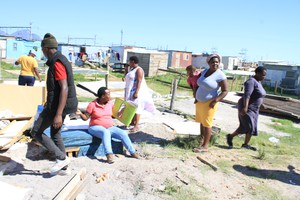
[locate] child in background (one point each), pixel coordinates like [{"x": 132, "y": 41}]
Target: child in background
[{"x": 193, "y": 75}]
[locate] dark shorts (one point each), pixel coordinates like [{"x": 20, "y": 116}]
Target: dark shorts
[{"x": 26, "y": 80}]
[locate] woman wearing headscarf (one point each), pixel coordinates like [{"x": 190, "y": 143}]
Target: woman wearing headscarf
[
  {"x": 248, "y": 107},
  {"x": 212, "y": 89}
]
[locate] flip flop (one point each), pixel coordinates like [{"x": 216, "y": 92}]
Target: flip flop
[
  {"x": 134, "y": 130},
  {"x": 200, "y": 150}
]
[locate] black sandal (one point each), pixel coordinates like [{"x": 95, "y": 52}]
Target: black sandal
[
  {"x": 229, "y": 140},
  {"x": 247, "y": 146}
]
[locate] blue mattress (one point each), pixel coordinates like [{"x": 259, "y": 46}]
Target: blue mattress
[{"x": 89, "y": 145}]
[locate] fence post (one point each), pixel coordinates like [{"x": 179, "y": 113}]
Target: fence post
[
  {"x": 174, "y": 88},
  {"x": 275, "y": 89}
]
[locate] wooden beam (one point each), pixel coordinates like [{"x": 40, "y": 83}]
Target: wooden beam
[
  {"x": 207, "y": 163},
  {"x": 73, "y": 187}
]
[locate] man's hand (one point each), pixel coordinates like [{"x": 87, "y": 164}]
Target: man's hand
[
  {"x": 57, "y": 122},
  {"x": 135, "y": 95}
]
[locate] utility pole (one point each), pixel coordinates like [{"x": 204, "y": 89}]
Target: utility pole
[{"x": 121, "y": 37}]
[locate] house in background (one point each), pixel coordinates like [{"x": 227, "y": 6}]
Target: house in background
[
  {"x": 150, "y": 61},
  {"x": 287, "y": 76},
  {"x": 179, "y": 59},
  {"x": 19, "y": 43},
  {"x": 94, "y": 53},
  {"x": 230, "y": 62},
  {"x": 199, "y": 60},
  {"x": 119, "y": 53},
  {"x": 12, "y": 48}
]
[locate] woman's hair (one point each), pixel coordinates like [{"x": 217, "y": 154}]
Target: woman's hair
[
  {"x": 134, "y": 59},
  {"x": 190, "y": 68},
  {"x": 260, "y": 70},
  {"x": 101, "y": 92}
]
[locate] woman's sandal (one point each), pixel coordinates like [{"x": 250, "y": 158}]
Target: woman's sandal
[
  {"x": 134, "y": 130},
  {"x": 200, "y": 150}
]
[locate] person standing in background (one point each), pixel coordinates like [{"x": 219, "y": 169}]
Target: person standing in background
[
  {"x": 212, "y": 88},
  {"x": 248, "y": 107},
  {"x": 137, "y": 91},
  {"x": 29, "y": 68}
]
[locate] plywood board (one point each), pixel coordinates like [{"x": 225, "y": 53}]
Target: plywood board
[{"x": 21, "y": 99}]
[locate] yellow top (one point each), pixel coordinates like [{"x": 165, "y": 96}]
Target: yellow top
[{"x": 28, "y": 64}]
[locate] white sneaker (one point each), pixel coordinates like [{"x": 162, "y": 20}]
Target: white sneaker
[{"x": 60, "y": 164}]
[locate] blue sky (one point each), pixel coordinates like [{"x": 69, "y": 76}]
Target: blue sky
[{"x": 265, "y": 29}]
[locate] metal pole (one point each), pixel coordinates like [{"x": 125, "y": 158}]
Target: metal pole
[{"x": 0, "y": 65}]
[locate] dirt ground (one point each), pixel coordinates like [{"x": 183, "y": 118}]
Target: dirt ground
[{"x": 161, "y": 170}]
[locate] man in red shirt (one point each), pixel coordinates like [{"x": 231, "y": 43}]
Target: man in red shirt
[{"x": 61, "y": 100}]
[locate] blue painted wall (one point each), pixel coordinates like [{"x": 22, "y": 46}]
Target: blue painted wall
[{"x": 16, "y": 48}]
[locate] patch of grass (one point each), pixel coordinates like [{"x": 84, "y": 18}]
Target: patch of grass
[
  {"x": 182, "y": 142},
  {"x": 158, "y": 87},
  {"x": 8, "y": 76},
  {"x": 85, "y": 99},
  {"x": 179, "y": 193},
  {"x": 224, "y": 165},
  {"x": 264, "y": 192},
  {"x": 261, "y": 154},
  {"x": 9, "y": 66},
  {"x": 284, "y": 125}
]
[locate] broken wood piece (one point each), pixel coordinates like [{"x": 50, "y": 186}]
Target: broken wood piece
[
  {"x": 7, "y": 127},
  {"x": 18, "y": 128},
  {"x": 183, "y": 181},
  {"x": 16, "y": 118},
  {"x": 4, "y": 158},
  {"x": 103, "y": 177},
  {"x": 73, "y": 187},
  {"x": 207, "y": 163}
]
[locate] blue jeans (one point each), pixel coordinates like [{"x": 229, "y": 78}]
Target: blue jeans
[{"x": 112, "y": 132}]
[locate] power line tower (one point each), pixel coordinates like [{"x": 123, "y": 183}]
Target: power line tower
[{"x": 243, "y": 54}]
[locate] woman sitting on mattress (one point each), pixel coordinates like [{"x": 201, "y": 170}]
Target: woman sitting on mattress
[{"x": 101, "y": 124}]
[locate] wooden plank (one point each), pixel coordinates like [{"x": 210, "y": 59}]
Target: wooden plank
[
  {"x": 4, "y": 158},
  {"x": 18, "y": 136},
  {"x": 7, "y": 127},
  {"x": 16, "y": 118},
  {"x": 207, "y": 163},
  {"x": 73, "y": 187}
]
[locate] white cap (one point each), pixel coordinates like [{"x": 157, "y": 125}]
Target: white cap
[{"x": 32, "y": 51}]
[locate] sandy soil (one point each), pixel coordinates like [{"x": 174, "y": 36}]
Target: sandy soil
[{"x": 150, "y": 177}]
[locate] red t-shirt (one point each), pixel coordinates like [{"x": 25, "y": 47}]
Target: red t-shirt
[
  {"x": 60, "y": 72},
  {"x": 100, "y": 115},
  {"x": 193, "y": 80}
]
